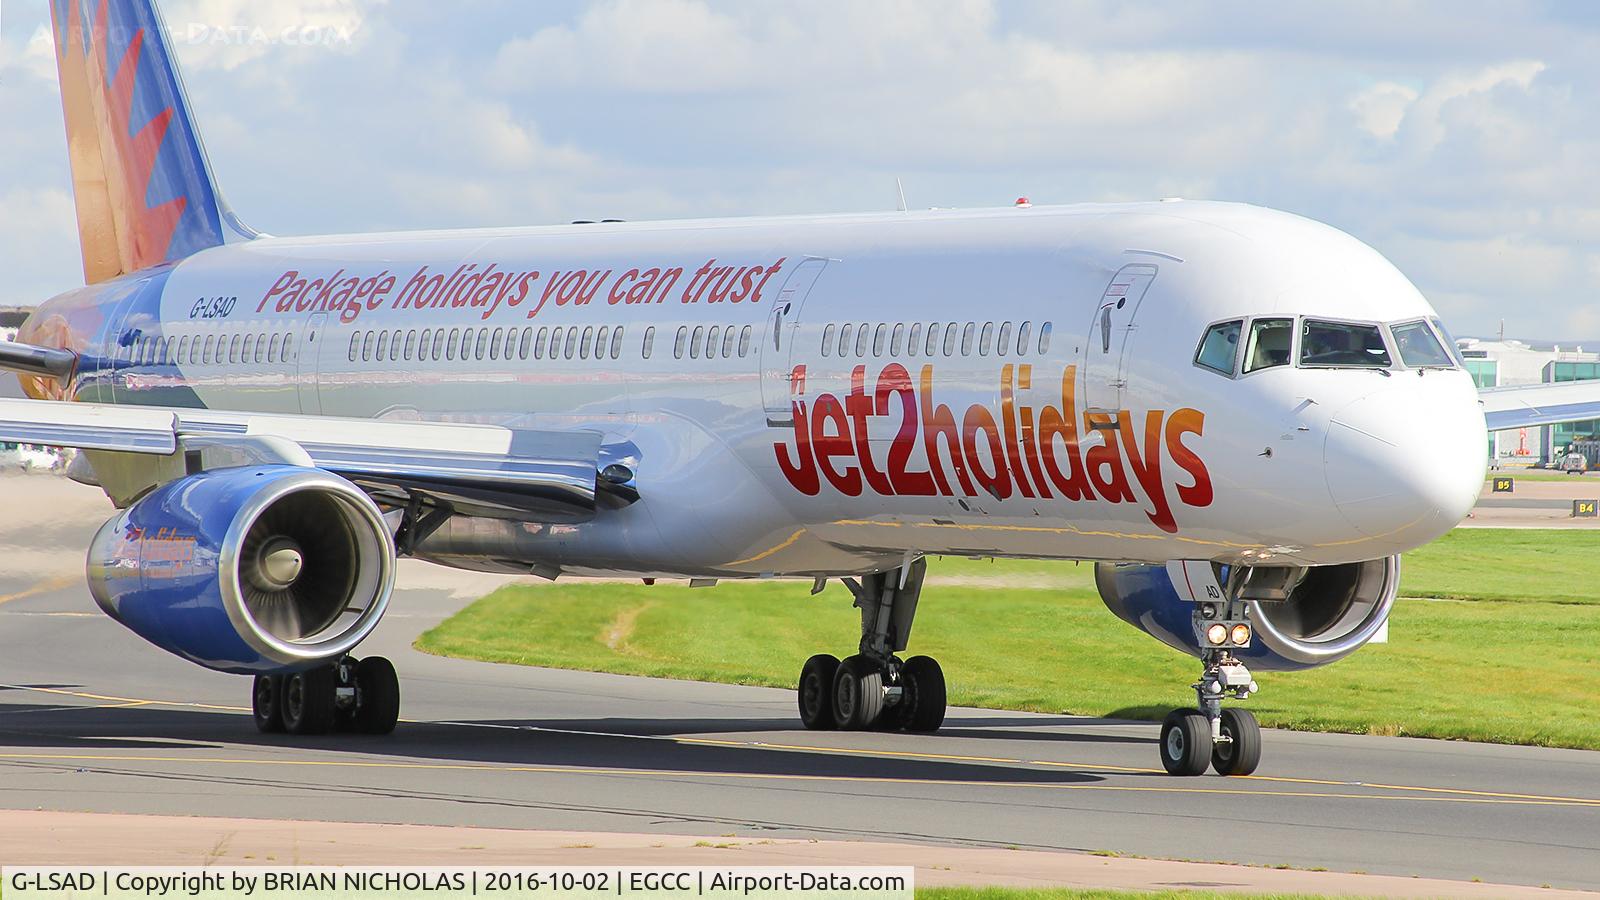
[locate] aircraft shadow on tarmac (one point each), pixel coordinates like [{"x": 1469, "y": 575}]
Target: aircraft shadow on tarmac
[{"x": 646, "y": 745}]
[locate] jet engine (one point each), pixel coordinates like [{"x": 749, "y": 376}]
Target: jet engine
[
  {"x": 1326, "y": 613},
  {"x": 251, "y": 570}
]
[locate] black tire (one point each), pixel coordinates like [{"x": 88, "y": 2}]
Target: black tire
[
  {"x": 1241, "y": 755},
  {"x": 815, "y": 692},
  {"x": 266, "y": 703},
  {"x": 1185, "y": 742},
  {"x": 924, "y": 689},
  {"x": 377, "y": 695},
  {"x": 309, "y": 705},
  {"x": 857, "y": 694}
]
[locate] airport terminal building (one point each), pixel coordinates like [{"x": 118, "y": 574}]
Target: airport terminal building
[{"x": 1505, "y": 362}]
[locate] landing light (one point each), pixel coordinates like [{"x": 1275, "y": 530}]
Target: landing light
[
  {"x": 1217, "y": 634},
  {"x": 1241, "y": 635}
]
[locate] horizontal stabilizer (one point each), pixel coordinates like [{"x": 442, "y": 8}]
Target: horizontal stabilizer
[{"x": 31, "y": 360}]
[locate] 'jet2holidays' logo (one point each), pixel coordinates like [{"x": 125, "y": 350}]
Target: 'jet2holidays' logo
[{"x": 1031, "y": 453}]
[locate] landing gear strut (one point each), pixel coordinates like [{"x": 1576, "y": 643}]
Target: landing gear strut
[
  {"x": 874, "y": 688},
  {"x": 1229, "y": 740},
  {"x": 349, "y": 695}
]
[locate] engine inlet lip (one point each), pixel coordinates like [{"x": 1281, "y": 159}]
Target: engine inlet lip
[
  {"x": 304, "y": 652},
  {"x": 1314, "y": 652}
]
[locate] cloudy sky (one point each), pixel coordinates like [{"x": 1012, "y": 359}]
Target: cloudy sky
[{"x": 1461, "y": 139}]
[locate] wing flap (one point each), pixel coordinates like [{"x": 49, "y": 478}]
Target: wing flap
[{"x": 552, "y": 473}]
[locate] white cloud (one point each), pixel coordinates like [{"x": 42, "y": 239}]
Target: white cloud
[
  {"x": 1465, "y": 99},
  {"x": 39, "y": 226},
  {"x": 1380, "y": 108},
  {"x": 39, "y": 54},
  {"x": 640, "y": 45}
]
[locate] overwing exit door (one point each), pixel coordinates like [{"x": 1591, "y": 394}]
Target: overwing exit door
[
  {"x": 1111, "y": 335},
  {"x": 309, "y": 351}
]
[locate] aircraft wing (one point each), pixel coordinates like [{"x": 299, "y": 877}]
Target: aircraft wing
[
  {"x": 549, "y": 475},
  {"x": 1523, "y": 406}
]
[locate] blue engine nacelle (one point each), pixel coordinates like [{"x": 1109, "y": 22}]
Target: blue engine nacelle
[
  {"x": 1329, "y": 614},
  {"x": 251, "y": 570}
]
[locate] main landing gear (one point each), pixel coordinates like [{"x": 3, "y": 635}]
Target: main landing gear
[
  {"x": 349, "y": 695},
  {"x": 1229, "y": 740},
  {"x": 875, "y": 688}
]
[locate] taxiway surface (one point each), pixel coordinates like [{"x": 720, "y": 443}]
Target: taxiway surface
[{"x": 93, "y": 719}]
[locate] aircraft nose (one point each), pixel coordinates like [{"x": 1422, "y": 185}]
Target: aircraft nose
[{"x": 1406, "y": 463}]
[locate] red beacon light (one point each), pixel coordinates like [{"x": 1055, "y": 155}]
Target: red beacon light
[{"x": 1023, "y": 203}]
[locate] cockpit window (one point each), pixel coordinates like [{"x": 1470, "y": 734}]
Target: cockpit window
[
  {"x": 1419, "y": 347},
  {"x": 1270, "y": 341},
  {"x": 1342, "y": 344},
  {"x": 1450, "y": 344},
  {"x": 1220, "y": 347}
]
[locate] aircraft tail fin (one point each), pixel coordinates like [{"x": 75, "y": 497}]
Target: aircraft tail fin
[{"x": 140, "y": 178}]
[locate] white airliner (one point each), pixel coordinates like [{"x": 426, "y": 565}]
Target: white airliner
[{"x": 1242, "y": 416}]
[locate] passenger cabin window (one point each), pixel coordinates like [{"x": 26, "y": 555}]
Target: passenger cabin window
[
  {"x": 1342, "y": 344},
  {"x": 1044, "y": 338},
  {"x": 1270, "y": 340},
  {"x": 1219, "y": 349},
  {"x": 744, "y": 341},
  {"x": 680, "y": 342},
  {"x": 1024, "y": 332},
  {"x": 649, "y": 342},
  {"x": 729, "y": 335},
  {"x": 1419, "y": 347}
]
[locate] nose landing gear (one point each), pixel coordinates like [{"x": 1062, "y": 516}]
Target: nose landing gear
[
  {"x": 1229, "y": 740},
  {"x": 875, "y": 688}
]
